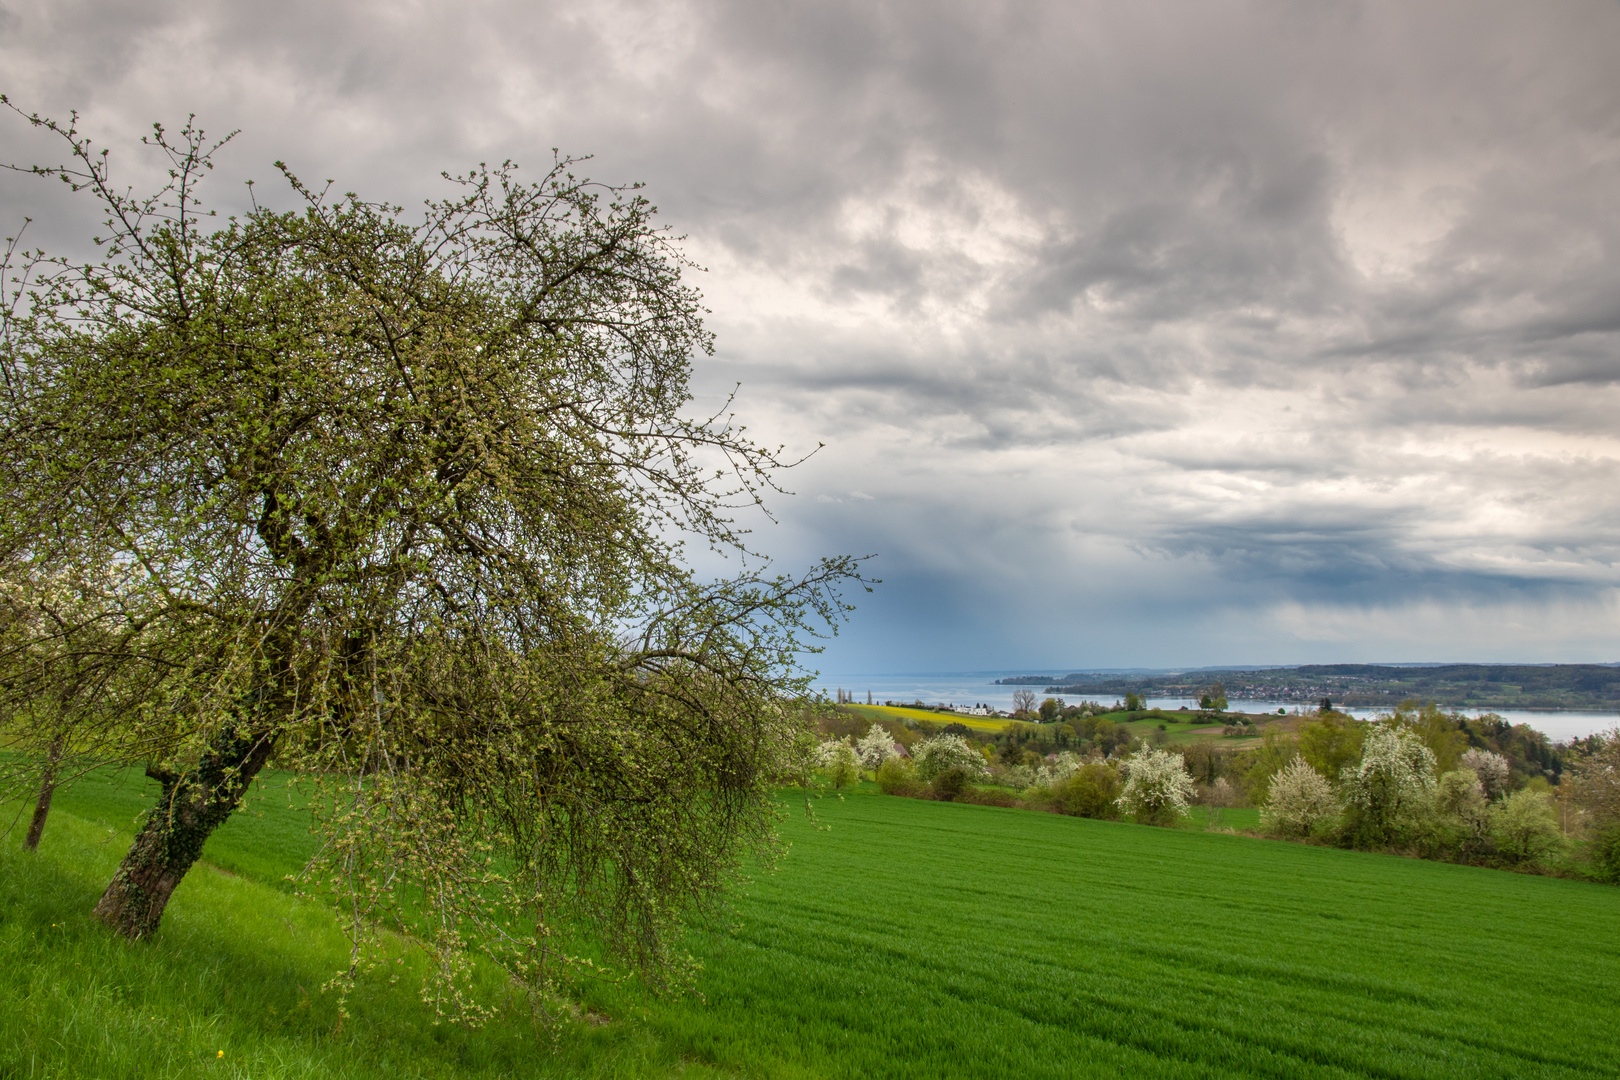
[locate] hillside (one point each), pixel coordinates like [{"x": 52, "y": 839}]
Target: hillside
[{"x": 899, "y": 938}]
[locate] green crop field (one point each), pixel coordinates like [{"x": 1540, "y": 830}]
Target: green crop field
[{"x": 899, "y": 938}]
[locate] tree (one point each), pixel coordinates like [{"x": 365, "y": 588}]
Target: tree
[
  {"x": 1491, "y": 768},
  {"x": 1133, "y": 702},
  {"x": 875, "y": 747},
  {"x": 1213, "y": 697},
  {"x": 1050, "y": 708},
  {"x": 1387, "y": 793},
  {"x": 1298, "y": 802},
  {"x": 1109, "y": 737},
  {"x": 1158, "y": 788},
  {"x": 399, "y": 506},
  {"x": 1463, "y": 813},
  {"x": 1441, "y": 732},
  {"x": 1331, "y": 742},
  {"x": 842, "y": 765},
  {"x": 931, "y": 757},
  {"x": 1525, "y": 826},
  {"x": 1264, "y": 763},
  {"x": 1597, "y": 790},
  {"x": 1023, "y": 701}
]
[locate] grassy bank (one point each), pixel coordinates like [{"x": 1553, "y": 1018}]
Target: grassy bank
[{"x": 899, "y": 938}]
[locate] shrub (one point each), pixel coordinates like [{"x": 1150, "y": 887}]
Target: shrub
[
  {"x": 1525, "y": 826},
  {"x": 1387, "y": 795},
  {"x": 1298, "y": 802},
  {"x": 1157, "y": 786},
  {"x": 987, "y": 796},
  {"x": 1604, "y": 855},
  {"x": 895, "y": 777},
  {"x": 944, "y": 752},
  {"x": 950, "y": 783},
  {"x": 1091, "y": 791}
]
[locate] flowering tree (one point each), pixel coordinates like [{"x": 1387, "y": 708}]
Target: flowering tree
[
  {"x": 1059, "y": 769},
  {"x": 1462, "y": 814},
  {"x": 1387, "y": 792},
  {"x": 1299, "y": 801},
  {"x": 401, "y": 503},
  {"x": 1492, "y": 770},
  {"x": 875, "y": 747},
  {"x": 1158, "y": 788},
  {"x": 1597, "y": 788},
  {"x": 840, "y": 761},
  {"x": 945, "y": 752}
]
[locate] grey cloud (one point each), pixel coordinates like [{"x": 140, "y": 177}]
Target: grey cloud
[{"x": 1267, "y": 304}]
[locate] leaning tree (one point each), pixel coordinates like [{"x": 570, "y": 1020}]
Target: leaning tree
[{"x": 397, "y": 505}]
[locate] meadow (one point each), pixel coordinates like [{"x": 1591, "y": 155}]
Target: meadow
[{"x": 899, "y": 938}]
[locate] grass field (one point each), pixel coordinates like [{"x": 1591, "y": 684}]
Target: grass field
[{"x": 900, "y": 938}]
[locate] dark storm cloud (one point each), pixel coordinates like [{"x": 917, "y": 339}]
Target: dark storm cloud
[{"x": 1304, "y": 315}]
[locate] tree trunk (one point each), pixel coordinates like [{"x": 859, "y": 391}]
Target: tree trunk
[
  {"x": 47, "y": 788},
  {"x": 192, "y": 806}
]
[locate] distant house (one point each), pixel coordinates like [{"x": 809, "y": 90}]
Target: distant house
[{"x": 901, "y": 751}]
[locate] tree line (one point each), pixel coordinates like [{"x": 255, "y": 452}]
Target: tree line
[{"x": 1418, "y": 780}]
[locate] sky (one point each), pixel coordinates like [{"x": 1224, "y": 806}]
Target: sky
[{"x": 1138, "y": 335}]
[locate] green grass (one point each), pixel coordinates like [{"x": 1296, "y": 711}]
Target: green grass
[
  {"x": 900, "y": 938},
  {"x": 231, "y": 987}
]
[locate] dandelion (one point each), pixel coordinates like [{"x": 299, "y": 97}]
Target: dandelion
[{"x": 222, "y": 1053}]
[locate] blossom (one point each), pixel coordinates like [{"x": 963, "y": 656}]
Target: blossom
[{"x": 1157, "y": 785}]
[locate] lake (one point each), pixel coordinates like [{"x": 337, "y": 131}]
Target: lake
[{"x": 979, "y": 687}]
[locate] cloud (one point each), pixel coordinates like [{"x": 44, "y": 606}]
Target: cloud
[{"x": 1155, "y": 329}]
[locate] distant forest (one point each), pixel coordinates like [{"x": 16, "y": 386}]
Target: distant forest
[{"x": 1460, "y": 686}]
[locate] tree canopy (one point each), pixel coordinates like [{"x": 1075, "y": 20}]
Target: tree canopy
[{"x": 398, "y": 505}]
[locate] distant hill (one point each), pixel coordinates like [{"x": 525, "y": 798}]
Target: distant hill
[{"x": 1464, "y": 686}]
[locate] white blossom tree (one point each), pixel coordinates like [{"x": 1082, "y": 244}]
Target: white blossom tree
[
  {"x": 1462, "y": 811},
  {"x": 839, "y": 759},
  {"x": 875, "y": 747},
  {"x": 1062, "y": 766},
  {"x": 1388, "y": 791},
  {"x": 1299, "y": 801},
  {"x": 1158, "y": 788},
  {"x": 1492, "y": 770},
  {"x": 944, "y": 752}
]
